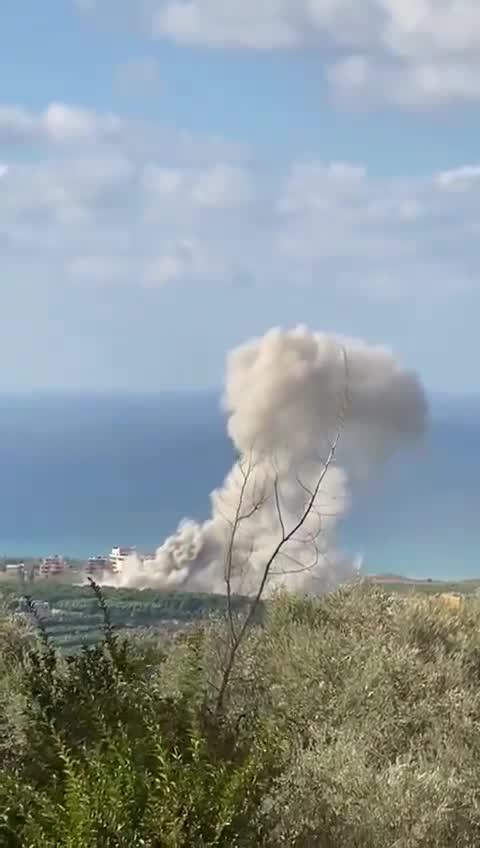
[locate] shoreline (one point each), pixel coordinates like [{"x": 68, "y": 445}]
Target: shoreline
[
  {"x": 77, "y": 562},
  {"x": 389, "y": 580}
]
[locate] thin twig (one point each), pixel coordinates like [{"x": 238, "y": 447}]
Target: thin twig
[{"x": 286, "y": 537}]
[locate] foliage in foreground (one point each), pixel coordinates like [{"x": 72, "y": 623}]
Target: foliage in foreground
[
  {"x": 352, "y": 721},
  {"x": 103, "y": 758}
]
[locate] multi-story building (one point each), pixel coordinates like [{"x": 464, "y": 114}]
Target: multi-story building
[
  {"x": 98, "y": 566},
  {"x": 52, "y": 566},
  {"x": 118, "y": 556}
]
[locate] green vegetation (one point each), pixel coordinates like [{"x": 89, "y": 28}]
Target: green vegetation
[
  {"x": 350, "y": 721},
  {"x": 71, "y": 616}
]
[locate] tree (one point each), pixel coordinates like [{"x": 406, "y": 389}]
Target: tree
[{"x": 270, "y": 490}]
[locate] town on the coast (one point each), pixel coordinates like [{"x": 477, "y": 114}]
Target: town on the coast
[{"x": 57, "y": 566}]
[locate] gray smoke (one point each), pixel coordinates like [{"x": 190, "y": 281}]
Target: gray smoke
[{"x": 288, "y": 397}]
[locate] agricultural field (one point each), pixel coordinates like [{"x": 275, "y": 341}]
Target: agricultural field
[{"x": 72, "y": 618}]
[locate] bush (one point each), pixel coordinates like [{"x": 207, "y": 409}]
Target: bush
[
  {"x": 109, "y": 760},
  {"x": 351, "y": 721},
  {"x": 374, "y": 703}
]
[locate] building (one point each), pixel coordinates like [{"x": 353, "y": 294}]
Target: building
[
  {"x": 118, "y": 556},
  {"x": 52, "y": 566},
  {"x": 16, "y": 569},
  {"x": 99, "y": 565}
]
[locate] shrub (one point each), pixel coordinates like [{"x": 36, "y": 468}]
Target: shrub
[
  {"x": 351, "y": 721},
  {"x": 109, "y": 760}
]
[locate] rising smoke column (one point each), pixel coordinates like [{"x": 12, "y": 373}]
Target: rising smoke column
[{"x": 288, "y": 395}]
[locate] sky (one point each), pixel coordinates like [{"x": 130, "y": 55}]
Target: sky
[{"x": 177, "y": 176}]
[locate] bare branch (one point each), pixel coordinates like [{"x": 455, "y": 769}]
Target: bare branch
[
  {"x": 278, "y": 507},
  {"x": 303, "y": 486},
  {"x": 235, "y": 524},
  {"x": 286, "y": 537},
  {"x": 302, "y": 567},
  {"x": 229, "y": 555}
]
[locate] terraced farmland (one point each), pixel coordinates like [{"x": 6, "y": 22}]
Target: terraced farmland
[{"x": 72, "y": 617}]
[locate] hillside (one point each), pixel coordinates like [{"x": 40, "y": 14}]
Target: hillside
[
  {"x": 350, "y": 721},
  {"x": 71, "y": 616}
]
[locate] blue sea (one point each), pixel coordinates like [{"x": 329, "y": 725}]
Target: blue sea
[{"x": 80, "y": 473}]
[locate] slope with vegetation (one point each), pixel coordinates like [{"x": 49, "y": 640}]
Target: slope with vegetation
[
  {"x": 71, "y": 616},
  {"x": 349, "y": 721}
]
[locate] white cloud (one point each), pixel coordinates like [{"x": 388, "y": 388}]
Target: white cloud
[
  {"x": 233, "y": 24},
  {"x": 360, "y": 81},
  {"x": 460, "y": 178},
  {"x": 221, "y": 186},
  {"x": 68, "y": 191},
  {"x": 57, "y": 124},
  {"x": 186, "y": 259},
  {"x": 178, "y": 209},
  {"x": 364, "y": 232},
  {"x": 316, "y": 185},
  {"x": 405, "y": 28},
  {"x": 62, "y": 124},
  {"x": 408, "y": 53},
  {"x": 218, "y": 186},
  {"x": 16, "y": 124}
]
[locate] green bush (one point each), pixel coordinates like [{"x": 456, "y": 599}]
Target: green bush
[
  {"x": 374, "y": 703},
  {"x": 351, "y": 721},
  {"x": 109, "y": 760}
]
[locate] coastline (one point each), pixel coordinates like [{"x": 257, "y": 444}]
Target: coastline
[{"x": 390, "y": 581}]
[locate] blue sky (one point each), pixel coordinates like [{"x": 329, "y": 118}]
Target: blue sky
[{"x": 179, "y": 175}]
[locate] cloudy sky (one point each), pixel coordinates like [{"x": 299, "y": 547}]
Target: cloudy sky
[{"x": 178, "y": 175}]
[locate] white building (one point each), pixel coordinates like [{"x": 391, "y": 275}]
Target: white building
[
  {"x": 118, "y": 556},
  {"x": 15, "y": 568}
]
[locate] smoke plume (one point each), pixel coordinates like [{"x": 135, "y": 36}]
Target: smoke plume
[{"x": 290, "y": 397}]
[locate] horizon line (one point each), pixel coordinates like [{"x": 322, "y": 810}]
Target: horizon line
[{"x": 30, "y": 393}]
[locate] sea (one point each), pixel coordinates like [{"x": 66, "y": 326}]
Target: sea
[{"x": 80, "y": 473}]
